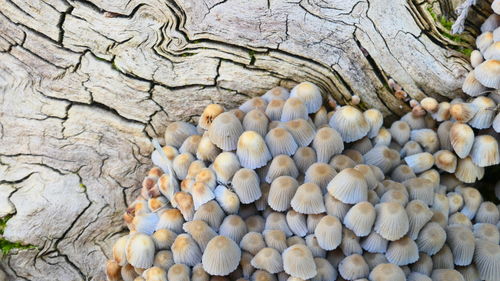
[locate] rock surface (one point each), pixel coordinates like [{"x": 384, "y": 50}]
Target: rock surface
[{"x": 85, "y": 85}]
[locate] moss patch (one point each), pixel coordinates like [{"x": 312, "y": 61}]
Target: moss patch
[
  {"x": 251, "y": 53},
  {"x": 5, "y": 245}
]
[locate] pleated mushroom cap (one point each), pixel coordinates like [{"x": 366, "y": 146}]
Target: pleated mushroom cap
[
  {"x": 472, "y": 86},
  {"x": 140, "y": 250},
  {"x": 280, "y": 141},
  {"x": 445, "y": 160},
  {"x": 484, "y": 151},
  {"x": 294, "y": 108},
  {"x": 485, "y": 114},
  {"x": 341, "y": 162},
  {"x": 420, "y": 189},
  {"x": 402, "y": 173},
  {"x": 320, "y": 117},
  {"x": 325, "y": 270},
  {"x": 467, "y": 171},
  {"x": 488, "y": 73},
  {"x": 400, "y": 131},
  {"x": 277, "y": 221},
  {"x": 487, "y": 213},
  {"x": 268, "y": 259},
  {"x": 462, "y": 139},
  {"x": 392, "y": 221},
  {"x": 402, "y": 252},
  {"x": 178, "y": 272},
  {"x": 427, "y": 138},
  {"x": 225, "y": 130},
  {"x": 443, "y": 112},
  {"x": 446, "y": 275},
  {"x": 485, "y": 39},
  {"x": 256, "y": 120},
  {"x": 298, "y": 262},
  {"x": 394, "y": 195},
  {"x": 459, "y": 218},
  {"x": 228, "y": 200},
  {"x": 200, "y": 231},
  {"x": 335, "y": 207},
  {"x": 233, "y": 227},
  {"x": 281, "y": 165},
  {"x": 254, "y": 103},
  {"x": 252, "y": 242},
  {"x": 302, "y": 132},
  {"x": 411, "y": 148},
  {"x": 221, "y": 257},
  {"x": 383, "y": 137},
  {"x": 276, "y": 239},
  {"x": 420, "y": 162},
  {"x": 360, "y": 218},
  {"x": 274, "y": 109},
  {"x": 112, "y": 269},
  {"x": 463, "y": 112},
  {"x": 443, "y": 258},
  {"x": 431, "y": 238},
  {"x": 190, "y": 144},
  {"x": 309, "y": 94},
  {"x": 320, "y": 174},
  {"x": 350, "y": 243},
  {"x": 353, "y": 267},
  {"x": 281, "y": 193},
  {"x": 171, "y": 219},
  {"x": 211, "y": 213},
  {"x": 225, "y": 165},
  {"x": 387, "y": 271},
  {"x": 155, "y": 274},
  {"x": 276, "y": 93},
  {"x": 349, "y": 186},
  {"x": 383, "y": 157},
  {"x": 177, "y": 132},
  {"x": 308, "y": 199},
  {"x": 304, "y": 157},
  {"x": 297, "y": 223},
  {"x": 185, "y": 250},
  {"x": 355, "y": 156},
  {"x": 375, "y": 120},
  {"x": 262, "y": 275},
  {"x": 163, "y": 239},
  {"x": 487, "y": 260},
  {"x": 329, "y": 233},
  {"x": 207, "y": 150},
  {"x": 181, "y": 164},
  {"x": 199, "y": 274},
  {"x": 209, "y": 114},
  {"x": 327, "y": 142},
  {"x": 246, "y": 184},
  {"x": 487, "y": 231},
  {"x": 350, "y": 123},
  {"x": 252, "y": 150},
  {"x": 255, "y": 223},
  {"x": 201, "y": 194},
  {"x": 374, "y": 243},
  {"x": 461, "y": 241}
]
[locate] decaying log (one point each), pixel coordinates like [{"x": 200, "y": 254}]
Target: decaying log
[{"x": 85, "y": 85}]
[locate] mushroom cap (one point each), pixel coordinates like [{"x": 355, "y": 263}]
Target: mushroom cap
[
  {"x": 301, "y": 130},
  {"x": 320, "y": 174},
  {"x": 185, "y": 250},
  {"x": 487, "y": 260},
  {"x": 360, "y": 218},
  {"x": 276, "y": 93},
  {"x": 446, "y": 275},
  {"x": 275, "y": 239},
  {"x": 228, "y": 200},
  {"x": 221, "y": 257},
  {"x": 140, "y": 250},
  {"x": 268, "y": 259},
  {"x": 387, "y": 271},
  {"x": 349, "y": 186},
  {"x": 253, "y": 103},
  {"x": 252, "y": 151},
  {"x": 277, "y": 221},
  {"x": 383, "y": 157},
  {"x": 467, "y": 171},
  {"x": 329, "y": 233},
  {"x": 309, "y": 94},
  {"x": 297, "y": 223},
  {"x": 375, "y": 120},
  {"x": 200, "y": 231},
  {"x": 225, "y": 165},
  {"x": 163, "y": 239},
  {"x": 281, "y": 165},
  {"x": 350, "y": 123},
  {"x": 256, "y": 120},
  {"x": 280, "y": 141},
  {"x": 294, "y": 108},
  {"x": 374, "y": 243},
  {"x": 484, "y": 151},
  {"x": 281, "y": 193},
  {"x": 353, "y": 267},
  {"x": 209, "y": 113},
  {"x": 308, "y": 199},
  {"x": 431, "y": 238},
  {"x": 327, "y": 142},
  {"x": 298, "y": 262},
  {"x": 461, "y": 241},
  {"x": 400, "y": 131},
  {"x": 420, "y": 162},
  {"x": 402, "y": 252},
  {"x": 190, "y": 144},
  {"x": 178, "y": 272},
  {"x": 207, "y": 150},
  {"x": 211, "y": 213},
  {"x": 274, "y": 109},
  {"x": 304, "y": 157},
  {"x": 246, "y": 184},
  {"x": 392, "y": 221},
  {"x": 488, "y": 73},
  {"x": 177, "y": 132}
]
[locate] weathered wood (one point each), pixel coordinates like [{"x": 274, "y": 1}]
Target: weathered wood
[{"x": 85, "y": 84}]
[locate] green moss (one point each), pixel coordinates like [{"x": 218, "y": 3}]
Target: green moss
[
  {"x": 187, "y": 54},
  {"x": 5, "y": 245},
  {"x": 113, "y": 65},
  {"x": 251, "y": 53},
  {"x": 84, "y": 187},
  {"x": 465, "y": 51}
]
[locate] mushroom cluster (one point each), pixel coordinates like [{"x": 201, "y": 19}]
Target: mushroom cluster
[
  {"x": 282, "y": 189},
  {"x": 484, "y": 79}
]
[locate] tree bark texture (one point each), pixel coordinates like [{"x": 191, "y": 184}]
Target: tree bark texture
[{"x": 85, "y": 85}]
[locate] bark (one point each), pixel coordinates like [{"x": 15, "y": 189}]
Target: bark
[{"x": 84, "y": 86}]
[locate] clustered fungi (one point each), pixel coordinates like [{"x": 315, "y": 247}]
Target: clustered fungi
[{"x": 281, "y": 189}]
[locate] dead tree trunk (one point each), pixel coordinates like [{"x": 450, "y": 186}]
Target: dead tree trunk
[{"x": 84, "y": 85}]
